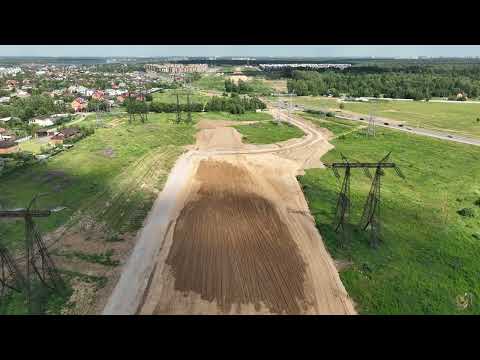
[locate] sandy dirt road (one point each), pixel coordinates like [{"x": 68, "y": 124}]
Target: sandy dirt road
[{"x": 231, "y": 233}]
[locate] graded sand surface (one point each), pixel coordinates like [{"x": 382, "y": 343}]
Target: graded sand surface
[{"x": 237, "y": 237}]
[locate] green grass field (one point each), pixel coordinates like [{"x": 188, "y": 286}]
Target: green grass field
[
  {"x": 310, "y": 102},
  {"x": 268, "y": 132},
  {"x": 260, "y": 87},
  {"x": 169, "y": 97},
  {"x": 248, "y": 116},
  {"x": 455, "y": 117},
  {"x": 429, "y": 260},
  {"x": 337, "y": 126},
  {"x": 210, "y": 82},
  {"x": 32, "y": 146},
  {"x": 95, "y": 165},
  {"x": 112, "y": 176}
]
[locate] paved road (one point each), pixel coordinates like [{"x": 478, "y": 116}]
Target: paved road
[{"x": 398, "y": 125}]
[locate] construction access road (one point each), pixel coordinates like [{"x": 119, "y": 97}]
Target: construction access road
[{"x": 231, "y": 233}]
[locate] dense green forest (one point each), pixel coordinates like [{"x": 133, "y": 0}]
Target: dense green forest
[
  {"x": 35, "y": 105},
  {"x": 396, "y": 80},
  {"x": 234, "y": 104},
  {"x": 241, "y": 88}
]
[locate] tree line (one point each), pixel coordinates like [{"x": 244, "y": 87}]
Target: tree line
[
  {"x": 32, "y": 106},
  {"x": 411, "y": 85},
  {"x": 234, "y": 104},
  {"x": 237, "y": 88}
]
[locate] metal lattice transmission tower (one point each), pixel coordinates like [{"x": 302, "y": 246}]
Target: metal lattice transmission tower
[
  {"x": 342, "y": 211},
  {"x": 278, "y": 118},
  {"x": 11, "y": 278},
  {"x": 371, "y": 212},
  {"x": 98, "y": 117},
  {"x": 38, "y": 263},
  {"x": 290, "y": 106},
  {"x": 189, "y": 114},
  {"x": 178, "y": 118},
  {"x": 143, "y": 107}
]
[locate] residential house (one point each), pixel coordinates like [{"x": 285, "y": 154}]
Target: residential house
[
  {"x": 8, "y": 147},
  {"x": 88, "y": 92},
  {"x": 79, "y": 104},
  {"x": 98, "y": 95},
  {"x": 4, "y": 99},
  {"x": 44, "y": 132},
  {"x": 12, "y": 84},
  {"x": 7, "y": 135},
  {"x": 5, "y": 119},
  {"x": 42, "y": 121},
  {"x": 65, "y": 134},
  {"x": 22, "y": 93}
]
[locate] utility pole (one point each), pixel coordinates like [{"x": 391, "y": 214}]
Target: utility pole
[
  {"x": 189, "y": 114},
  {"x": 279, "y": 106},
  {"x": 179, "y": 118}
]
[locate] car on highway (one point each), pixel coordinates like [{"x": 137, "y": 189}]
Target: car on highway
[
  {"x": 385, "y": 123},
  {"x": 450, "y": 136},
  {"x": 400, "y": 125}
]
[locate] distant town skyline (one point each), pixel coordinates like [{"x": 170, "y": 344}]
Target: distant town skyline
[{"x": 398, "y": 51}]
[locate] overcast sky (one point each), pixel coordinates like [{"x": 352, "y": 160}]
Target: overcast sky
[{"x": 241, "y": 50}]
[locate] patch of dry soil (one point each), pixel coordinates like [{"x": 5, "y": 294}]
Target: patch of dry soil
[
  {"x": 244, "y": 242},
  {"x": 240, "y": 238}
]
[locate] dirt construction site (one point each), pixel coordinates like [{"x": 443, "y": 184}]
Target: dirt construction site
[{"x": 231, "y": 233}]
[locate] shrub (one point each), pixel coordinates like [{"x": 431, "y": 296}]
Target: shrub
[{"x": 466, "y": 212}]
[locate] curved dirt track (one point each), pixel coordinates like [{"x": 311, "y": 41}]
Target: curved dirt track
[{"x": 232, "y": 234}]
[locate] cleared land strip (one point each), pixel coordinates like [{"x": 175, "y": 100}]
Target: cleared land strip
[{"x": 231, "y": 233}]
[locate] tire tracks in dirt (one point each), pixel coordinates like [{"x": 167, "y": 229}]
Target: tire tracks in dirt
[{"x": 229, "y": 235}]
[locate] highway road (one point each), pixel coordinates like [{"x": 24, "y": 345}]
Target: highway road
[{"x": 400, "y": 126}]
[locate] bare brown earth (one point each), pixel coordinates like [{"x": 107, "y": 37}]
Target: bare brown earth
[
  {"x": 242, "y": 240},
  {"x": 253, "y": 260},
  {"x": 237, "y": 78}
]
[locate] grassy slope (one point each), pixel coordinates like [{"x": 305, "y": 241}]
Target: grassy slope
[
  {"x": 124, "y": 185},
  {"x": 429, "y": 257},
  {"x": 87, "y": 172},
  {"x": 457, "y": 116},
  {"x": 268, "y": 132},
  {"x": 32, "y": 146}
]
